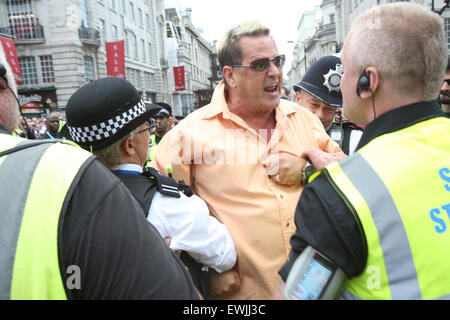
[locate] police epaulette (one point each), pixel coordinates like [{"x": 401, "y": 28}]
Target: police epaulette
[{"x": 166, "y": 185}]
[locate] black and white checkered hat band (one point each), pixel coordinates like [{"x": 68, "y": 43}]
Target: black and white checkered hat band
[{"x": 108, "y": 128}]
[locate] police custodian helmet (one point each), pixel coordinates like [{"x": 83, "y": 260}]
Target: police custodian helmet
[
  {"x": 323, "y": 81},
  {"x": 105, "y": 110}
]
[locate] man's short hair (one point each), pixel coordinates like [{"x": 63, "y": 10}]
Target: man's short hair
[
  {"x": 230, "y": 52},
  {"x": 406, "y": 42},
  {"x": 111, "y": 156},
  {"x": 165, "y": 106}
]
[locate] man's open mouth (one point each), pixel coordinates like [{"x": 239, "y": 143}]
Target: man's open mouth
[{"x": 271, "y": 89}]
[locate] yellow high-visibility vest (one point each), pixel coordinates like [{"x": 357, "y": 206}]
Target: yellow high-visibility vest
[
  {"x": 34, "y": 183},
  {"x": 398, "y": 186}
]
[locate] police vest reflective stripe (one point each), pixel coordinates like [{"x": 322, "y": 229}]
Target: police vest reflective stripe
[
  {"x": 402, "y": 204},
  {"x": 151, "y": 149},
  {"x": 31, "y": 208}
]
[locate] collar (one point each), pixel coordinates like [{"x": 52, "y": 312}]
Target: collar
[
  {"x": 3, "y": 130},
  {"x": 400, "y": 118},
  {"x": 50, "y": 135},
  {"x": 219, "y": 105},
  {"x": 128, "y": 168}
]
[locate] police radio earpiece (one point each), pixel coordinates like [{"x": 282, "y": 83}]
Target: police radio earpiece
[{"x": 363, "y": 83}]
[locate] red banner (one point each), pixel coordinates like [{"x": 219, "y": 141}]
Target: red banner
[
  {"x": 115, "y": 56},
  {"x": 178, "y": 74},
  {"x": 13, "y": 59}
]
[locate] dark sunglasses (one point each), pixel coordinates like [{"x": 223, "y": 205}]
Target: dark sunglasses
[
  {"x": 151, "y": 124},
  {"x": 260, "y": 65},
  {"x": 448, "y": 81}
]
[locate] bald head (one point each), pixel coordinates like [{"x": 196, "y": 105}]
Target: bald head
[{"x": 406, "y": 42}]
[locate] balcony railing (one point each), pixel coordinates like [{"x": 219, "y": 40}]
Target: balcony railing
[
  {"x": 89, "y": 35},
  {"x": 325, "y": 29},
  {"x": 24, "y": 32}
]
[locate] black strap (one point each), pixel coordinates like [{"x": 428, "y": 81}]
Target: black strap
[
  {"x": 166, "y": 185},
  {"x": 28, "y": 145}
]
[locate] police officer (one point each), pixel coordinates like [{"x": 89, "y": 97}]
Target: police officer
[
  {"x": 319, "y": 92},
  {"x": 381, "y": 215},
  {"x": 70, "y": 229},
  {"x": 115, "y": 128},
  {"x": 163, "y": 125}
]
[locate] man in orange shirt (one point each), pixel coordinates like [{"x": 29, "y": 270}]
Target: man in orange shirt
[{"x": 223, "y": 149}]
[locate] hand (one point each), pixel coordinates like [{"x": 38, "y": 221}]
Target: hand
[
  {"x": 285, "y": 168},
  {"x": 223, "y": 283},
  {"x": 320, "y": 159},
  {"x": 177, "y": 252},
  {"x": 167, "y": 241}
]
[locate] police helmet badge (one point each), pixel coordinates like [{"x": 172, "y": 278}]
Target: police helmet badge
[{"x": 333, "y": 78}]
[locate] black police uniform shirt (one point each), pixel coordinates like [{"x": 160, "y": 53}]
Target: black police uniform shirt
[
  {"x": 119, "y": 253},
  {"x": 322, "y": 218}
]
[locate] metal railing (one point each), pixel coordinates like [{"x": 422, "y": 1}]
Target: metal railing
[
  {"x": 24, "y": 32},
  {"x": 89, "y": 35}
]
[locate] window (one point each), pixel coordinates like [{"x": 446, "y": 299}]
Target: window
[
  {"x": 141, "y": 19},
  {"x": 83, "y": 13},
  {"x": 447, "y": 31},
  {"x": 135, "y": 46},
  {"x": 150, "y": 80},
  {"x": 150, "y": 53},
  {"x": 161, "y": 38},
  {"x": 133, "y": 77},
  {"x": 133, "y": 17},
  {"x": 47, "y": 72},
  {"x": 127, "y": 43},
  {"x": 142, "y": 49},
  {"x": 102, "y": 29},
  {"x": 21, "y": 19},
  {"x": 89, "y": 68},
  {"x": 29, "y": 72},
  {"x": 122, "y": 6},
  {"x": 112, "y": 4},
  {"x": 115, "y": 33},
  {"x": 147, "y": 22}
]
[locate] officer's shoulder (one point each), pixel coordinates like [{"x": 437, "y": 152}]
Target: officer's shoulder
[
  {"x": 165, "y": 185},
  {"x": 352, "y": 126}
]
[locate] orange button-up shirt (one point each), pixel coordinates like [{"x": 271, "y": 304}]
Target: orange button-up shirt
[{"x": 220, "y": 157}]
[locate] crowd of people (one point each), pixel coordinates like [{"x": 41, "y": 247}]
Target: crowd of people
[{"x": 226, "y": 203}]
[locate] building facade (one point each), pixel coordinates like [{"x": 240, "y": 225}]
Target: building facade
[
  {"x": 326, "y": 34},
  {"x": 189, "y": 49},
  {"x": 305, "y": 30},
  {"x": 61, "y": 45},
  {"x": 317, "y": 38},
  {"x": 348, "y": 10}
]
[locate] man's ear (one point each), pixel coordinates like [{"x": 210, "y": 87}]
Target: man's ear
[
  {"x": 229, "y": 76},
  {"x": 298, "y": 97},
  {"x": 128, "y": 146},
  {"x": 374, "y": 76}
]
